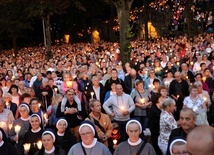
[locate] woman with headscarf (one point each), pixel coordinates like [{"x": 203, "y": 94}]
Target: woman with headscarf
[
  {"x": 5, "y": 147},
  {"x": 64, "y": 138},
  {"x": 48, "y": 144},
  {"x": 34, "y": 134},
  {"x": 90, "y": 144},
  {"x": 23, "y": 122},
  {"x": 134, "y": 144}
]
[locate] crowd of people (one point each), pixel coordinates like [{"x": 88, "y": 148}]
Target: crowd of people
[{"x": 86, "y": 101}]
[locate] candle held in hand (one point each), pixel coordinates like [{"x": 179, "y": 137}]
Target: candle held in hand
[
  {"x": 39, "y": 144},
  {"x": 115, "y": 141},
  {"x": 27, "y": 147},
  {"x": 92, "y": 95}
]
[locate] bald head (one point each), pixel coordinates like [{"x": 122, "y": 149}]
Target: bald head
[{"x": 200, "y": 141}]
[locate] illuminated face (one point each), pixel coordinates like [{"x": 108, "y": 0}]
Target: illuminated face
[
  {"x": 86, "y": 135},
  {"x": 96, "y": 107},
  {"x": 163, "y": 92},
  {"x": 133, "y": 132},
  {"x": 194, "y": 92},
  {"x": 61, "y": 126},
  {"x": 35, "y": 123},
  {"x": 119, "y": 89},
  {"x": 47, "y": 141},
  {"x": 23, "y": 112},
  {"x": 187, "y": 121}
]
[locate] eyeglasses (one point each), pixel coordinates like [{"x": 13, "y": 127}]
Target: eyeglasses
[{"x": 85, "y": 134}]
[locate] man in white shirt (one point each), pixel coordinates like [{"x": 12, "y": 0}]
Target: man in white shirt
[{"x": 122, "y": 105}]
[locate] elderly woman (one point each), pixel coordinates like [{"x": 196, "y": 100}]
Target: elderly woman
[
  {"x": 89, "y": 144},
  {"x": 167, "y": 123},
  {"x": 197, "y": 104},
  {"x": 64, "y": 138},
  {"x": 9, "y": 104},
  {"x": 23, "y": 122},
  {"x": 6, "y": 148},
  {"x": 34, "y": 134},
  {"x": 134, "y": 145},
  {"x": 48, "y": 147}
]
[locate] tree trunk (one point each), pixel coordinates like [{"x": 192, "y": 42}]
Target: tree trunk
[
  {"x": 192, "y": 29},
  {"x": 48, "y": 36},
  {"x": 123, "y": 7}
]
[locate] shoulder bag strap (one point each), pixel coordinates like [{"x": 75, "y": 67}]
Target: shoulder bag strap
[
  {"x": 83, "y": 149},
  {"x": 141, "y": 148}
]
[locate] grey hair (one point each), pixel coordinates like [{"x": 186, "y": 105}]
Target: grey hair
[{"x": 167, "y": 102}]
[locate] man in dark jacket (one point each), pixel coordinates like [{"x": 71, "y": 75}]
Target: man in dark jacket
[{"x": 130, "y": 80}]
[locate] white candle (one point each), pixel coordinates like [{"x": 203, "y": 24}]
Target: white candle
[
  {"x": 205, "y": 99},
  {"x": 177, "y": 96},
  {"x": 39, "y": 144},
  {"x": 92, "y": 95},
  {"x": 17, "y": 129},
  {"x": 55, "y": 89},
  {"x": 27, "y": 146},
  {"x": 115, "y": 141}
]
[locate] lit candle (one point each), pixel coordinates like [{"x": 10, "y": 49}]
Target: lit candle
[
  {"x": 122, "y": 108},
  {"x": 204, "y": 78},
  {"x": 39, "y": 144},
  {"x": 17, "y": 129},
  {"x": 55, "y": 89},
  {"x": 46, "y": 118},
  {"x": 187, "y": 77},
  {"x": 177, "y": 96},
  {"x": 205, "y": 99},
  {"x": 10, "y": 126},
  {"x": 26, "y": 147},
  {"x": 2, "y": 124},
  {"x": 120, "y": 63},
  {"x": 13, "y": 77},
  {"x": 178, "y": 63},
  {"x": 115, "y": 141},
  {"x": 7, "y": 105},
  {"x": 69, "y": 84},
  {"x": 191, "y": 63},
  {"x": 92, "y": 95},
  {"x": 142, "y": 101}
]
